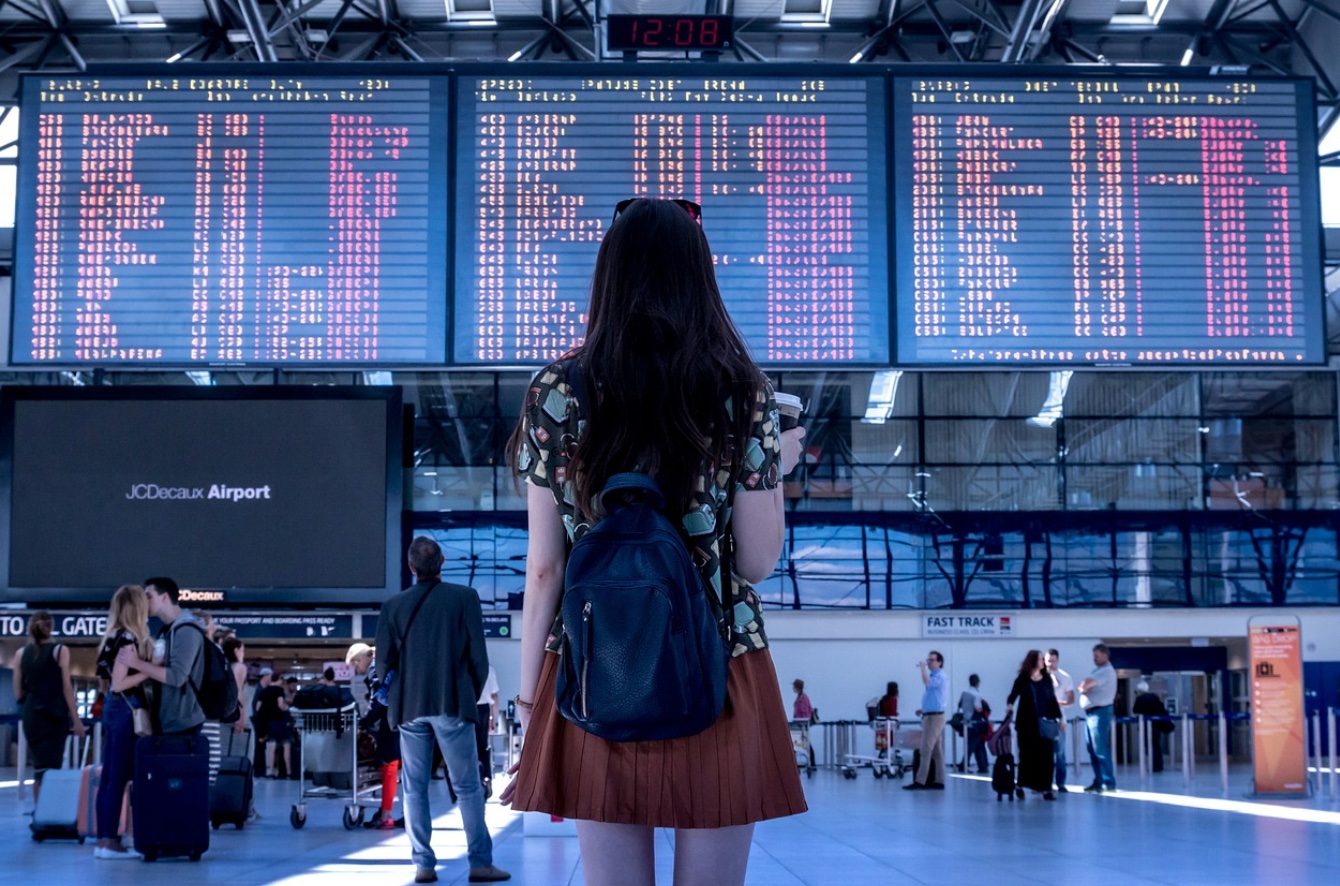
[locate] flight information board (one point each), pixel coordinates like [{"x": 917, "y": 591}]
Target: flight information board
[
  {"x": 1087, "y": 220},
  {"x": 232, "y": 218},
  {"x": 791, "y": 173}
]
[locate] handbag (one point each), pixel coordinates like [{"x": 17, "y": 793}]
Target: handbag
[{"x": 1049, "y": 729}]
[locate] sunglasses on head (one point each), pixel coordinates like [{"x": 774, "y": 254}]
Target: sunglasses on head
[{"x": 693, "y": 209}]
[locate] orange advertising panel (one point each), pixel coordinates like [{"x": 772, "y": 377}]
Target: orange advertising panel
[{"x": 1278, "y": 722}]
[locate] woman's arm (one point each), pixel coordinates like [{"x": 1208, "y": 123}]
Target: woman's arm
[
  {"x": 67, "y": 687},
  {"x": 546, "y": 558},
  {"x": 240, "y": 677},
  {"x": 759, "y": 523},
  {"x": 18, "y": 674},
  {"x": 123, "y": 679}
]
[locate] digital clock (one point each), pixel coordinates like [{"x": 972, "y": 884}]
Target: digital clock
[{"x": 686, "y": 32}]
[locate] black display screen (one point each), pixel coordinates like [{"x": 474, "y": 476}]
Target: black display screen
[
  {"x": 1106, "y": 220},
  {"x": 231, "y": 217},
  {"x": 790, "y": 172},
  {"x": 287, "y": 496}
]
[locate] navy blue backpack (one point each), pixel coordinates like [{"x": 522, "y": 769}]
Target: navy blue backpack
[{"x": 643, "y": 657}]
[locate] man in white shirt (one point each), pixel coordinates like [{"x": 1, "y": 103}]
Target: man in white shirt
[
  {"x": 1065, "y": 697},
  {"x": 1097, "y": 692}
]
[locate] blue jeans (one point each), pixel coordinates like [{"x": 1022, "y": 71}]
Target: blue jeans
[
  {"x": 1061, "y": 759},
  {"x": 456, "y": 738},
  {"x": 1100, "y": 745},
  {"x": 118, "y": 765}
]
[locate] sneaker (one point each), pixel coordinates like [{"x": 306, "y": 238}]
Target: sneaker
[
  {"x": 425, "y": 875},
  {"x": 1062, "y": 789},
  {"x": 380, "y": 824},
  {"x": 914, "y": 786},
  {"x": 488, "y": 874},
  {"x": 936, "y": 786},
  {"x": 108, "y": 854},
  {"x": 1094, "y": 789}
]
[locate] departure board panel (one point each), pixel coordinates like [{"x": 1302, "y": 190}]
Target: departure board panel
[
  {"x": 790, "y": 172},
  {"x": 232, "y": 218},
  {"x": 1092, "y": 221}
]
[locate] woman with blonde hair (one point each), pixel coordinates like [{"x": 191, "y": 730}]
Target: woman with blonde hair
[
  {"x": 127, "y": 626},
  {"x": 42, "y": 687}
]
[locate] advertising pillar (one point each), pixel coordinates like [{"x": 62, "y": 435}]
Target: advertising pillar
[{"x": 1279, "y": 728}]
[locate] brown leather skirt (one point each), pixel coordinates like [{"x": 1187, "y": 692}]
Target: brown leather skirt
[{"x": 742, "y": 769}]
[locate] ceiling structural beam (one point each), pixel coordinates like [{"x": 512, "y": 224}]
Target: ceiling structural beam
[
  {"x": 1323, "y": 9},
  {"x": 53, "y": 13},
  {"x": 743, "y": 47},
  {"x": 333, "y": 27},
  {"x": 73, "y": 52},
  {"x": 405, "y": 49},
  {"x": 1055, "y": 11},
  {"x": 34, "y": 14},
  {"x": 24, "y": 53},
  {"x": 291, "y": 16},
  {"x": 1323, "y": 79},
  {"x": 945, "y": 29},
  {"x": 1213, "y": 25},
  {"x": 583, "y": 13},
  {"x": 190, "y": 50},
  {"x": 1023, "y": 26},
  {"x": 1002, "y": 29}
]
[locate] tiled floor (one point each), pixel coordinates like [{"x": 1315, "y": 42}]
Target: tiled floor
[{"x": 857, "y": 833}]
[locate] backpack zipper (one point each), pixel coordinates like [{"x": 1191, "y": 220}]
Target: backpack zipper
[{"x": 586, "y": 658}]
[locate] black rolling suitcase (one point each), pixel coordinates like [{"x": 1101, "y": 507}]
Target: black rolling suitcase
[
  {"x": 172, "y": 796},
  {"x": 230, "y": 795},
  {"x": 1002, "y": 776}
]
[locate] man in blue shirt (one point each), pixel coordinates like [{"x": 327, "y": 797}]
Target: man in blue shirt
[{"x": 932, "y": 712}]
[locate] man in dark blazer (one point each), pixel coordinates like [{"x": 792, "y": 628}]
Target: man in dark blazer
[{"x": 431, "y": 637}]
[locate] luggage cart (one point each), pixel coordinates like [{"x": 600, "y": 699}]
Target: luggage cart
[
  {"x": 328, "y": 749},
  {"x": 800, "y": 743},
  {"x": 887, "y": 760}
]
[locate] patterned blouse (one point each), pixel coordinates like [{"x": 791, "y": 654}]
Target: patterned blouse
[{"x": 550, "y": 430}]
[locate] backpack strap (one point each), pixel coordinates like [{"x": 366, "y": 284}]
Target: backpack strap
[{"x": 203, "y": 640}]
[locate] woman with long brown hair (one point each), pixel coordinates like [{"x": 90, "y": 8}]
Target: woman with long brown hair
[
  {"x": 663, "y": 385},
  {"x": 45, "y": 692},
  {"x": 1036, "y": 695},
  {"x": 127, "y": 627}
]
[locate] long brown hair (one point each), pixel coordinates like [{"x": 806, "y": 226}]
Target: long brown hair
[
  {"x": 1030, "y": 663},
  {"x": 668, "y": 381}
]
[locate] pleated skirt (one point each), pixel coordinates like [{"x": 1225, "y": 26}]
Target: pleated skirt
[{"x": 742, "y": 769}]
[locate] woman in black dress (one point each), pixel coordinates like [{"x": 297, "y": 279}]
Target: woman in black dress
[{"x": 1036, "y": 695}]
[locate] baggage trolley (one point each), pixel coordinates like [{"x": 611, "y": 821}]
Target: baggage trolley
[
  {"x": 328, "y": 749},
  {"x": 800, "y": 744},
  {"x": 886, "y": 761}
]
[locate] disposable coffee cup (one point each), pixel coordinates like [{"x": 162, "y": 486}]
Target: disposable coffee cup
[{"x": 789, "y": 408}]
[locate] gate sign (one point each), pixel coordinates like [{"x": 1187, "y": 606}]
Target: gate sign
[
  {"x": 1279, "y": 749},
  {"x": 70, "y": 625},
  {"x": 976, "y": 625}
]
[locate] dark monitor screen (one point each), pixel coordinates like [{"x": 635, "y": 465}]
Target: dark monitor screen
[
  {"x": 1092, "y": 219},
  {"x": 790, "y": 171},
  {"x": 231, "y": 217},
  {"x": 291, "y": 495}
]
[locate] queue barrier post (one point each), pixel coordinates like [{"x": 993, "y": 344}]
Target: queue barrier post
[
  {"x": 1335, "y": 770},
  {"x": 22, "y": 774},
  {"x": 1223, "y": 752},
  {"x": 1316, "y": 749},
  {"x": 1081, "y": 726},
  {"x": 1186, "y": 750},
  {"x": 1142, "y": 729}
]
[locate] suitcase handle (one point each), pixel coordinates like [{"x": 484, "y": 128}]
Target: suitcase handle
[{"x": 72, "y": 759}]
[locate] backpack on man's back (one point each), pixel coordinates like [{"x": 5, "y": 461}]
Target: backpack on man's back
[{"x": 217, "y": 692}]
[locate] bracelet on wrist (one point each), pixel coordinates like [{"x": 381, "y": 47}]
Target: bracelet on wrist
[{"x": 522, "y": 703}]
